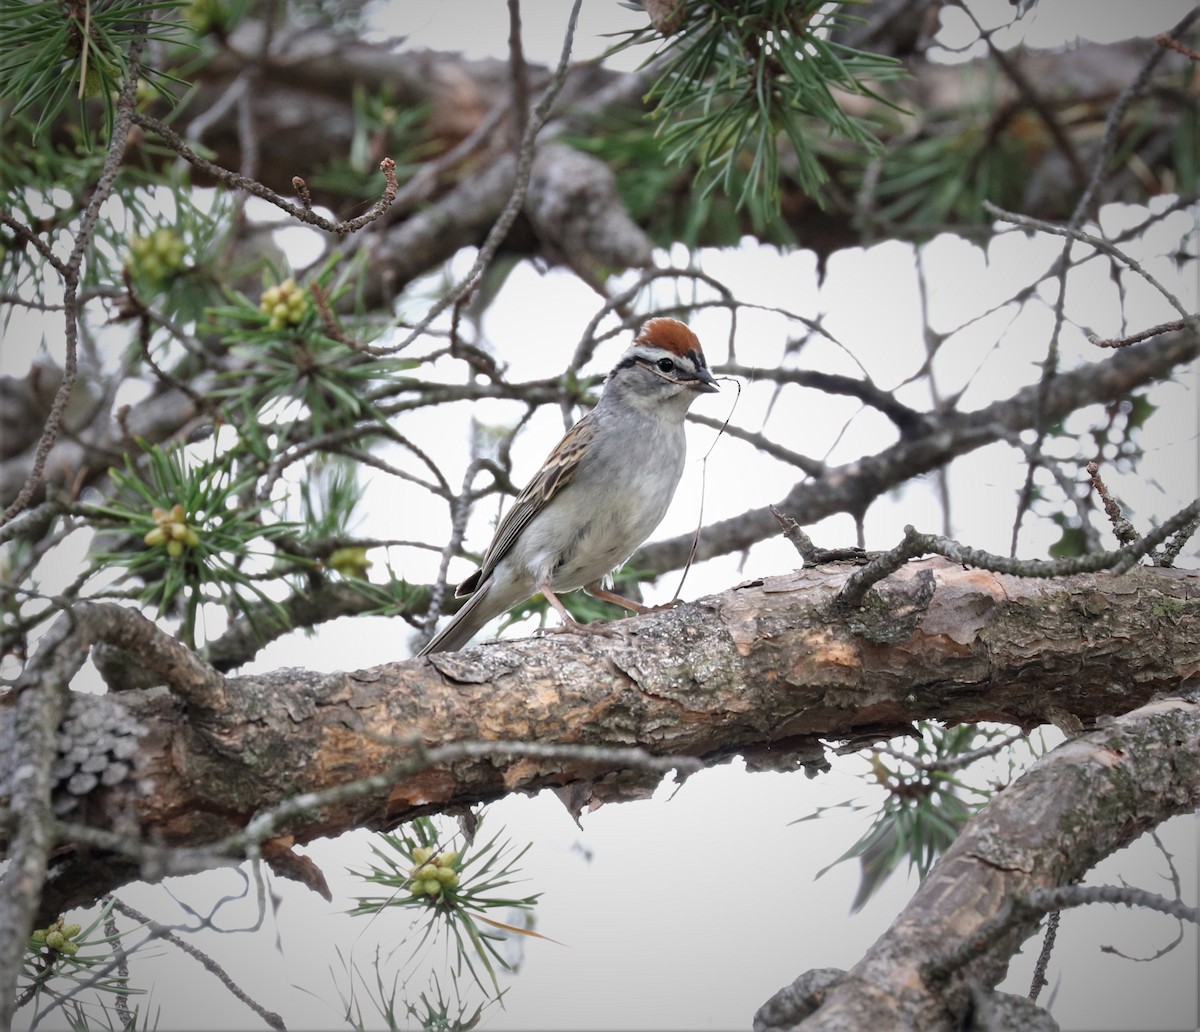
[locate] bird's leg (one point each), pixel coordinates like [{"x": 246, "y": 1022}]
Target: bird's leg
[
  {"x": 597, "y": 590},
  {"x": 569, "y": 623}
]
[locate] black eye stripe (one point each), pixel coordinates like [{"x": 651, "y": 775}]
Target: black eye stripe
[{"x": 678, "y": 364}]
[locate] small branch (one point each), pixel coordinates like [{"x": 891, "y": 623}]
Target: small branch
[
  {"x": 136, "y": 308},
  {"x": 1122, "y": 528},
  {"x": 1116, "y": 114},
  {"x": 958, "y": 761},
  {"x": 620, "y": 303},
  {"x": 1048, "y": 900},
  {"x": 303, "y": 191},
  {"x": 340, "y": 440},
  {"x": 794, "y": 533},
  {"x": 26, "y": 234},
  {"x": 1043, "y": 962},
  {"x": 1071, "y": 488},
  {"x": 812, "y": 467},
  {"x": 519, "y": 75},
  {"x": 1164, "y": 39},
  {"x": 1175, "y": 545},
  {"x": 1100, "y": 244},
  {"x": 908, "y": 421},
  {"x": 121, "y": 960},
  {"x": 161, "y": 931},
  {"x": 1134, "y": 338},
  {"x": 333, "y": 329},
  {"x": 1034, "y": 99},
  {"x": 915, "y": 544},
  {"x": 300, "y": 212},
  {"x": 810, "y": 554}
]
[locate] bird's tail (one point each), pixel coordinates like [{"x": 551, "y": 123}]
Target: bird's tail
[{"x": 477, "y": 611}]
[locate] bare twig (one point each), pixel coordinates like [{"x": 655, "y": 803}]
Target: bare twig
[
  {"x": 333, "y": 329},
  {"x": 519, "y": 76},
  {"x": 1043, "y": 962},
  {"x": 239, "y": 182},
  {"x": 1122, "y": 528},
  {"x": 303, "y": 192},
  {"x": 1070, "y": 487},
  {"x": 958, "y": 761},
  {"x": 1046, "y": 901},
  {"x": 1133, "y": 338},
  {"x": 1100, "y": 244},
  {"x": 121, "y": 1004},
  {"x": 810, "y": 554},
  {"x": 914, "y": 544},
  {"x": 1174, "y": 545},
  {"x": 1165, "y": 39},
  {"x": 161, "y": 931},
  {"x": 810, "y": 467},
  {"x": 33, "y": 240}
]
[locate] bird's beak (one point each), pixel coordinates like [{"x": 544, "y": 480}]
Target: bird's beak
[{"x": 704, "y": 382}]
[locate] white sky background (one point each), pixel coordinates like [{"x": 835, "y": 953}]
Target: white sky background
[{"x": 690, "y": 912}]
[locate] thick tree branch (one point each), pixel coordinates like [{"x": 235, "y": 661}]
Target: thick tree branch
[
  {"x": 769, "y": 669},
  {"x": 1089, "y": 797}
]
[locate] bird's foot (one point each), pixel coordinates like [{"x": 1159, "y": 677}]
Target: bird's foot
[{"x": 603, "y": 627}]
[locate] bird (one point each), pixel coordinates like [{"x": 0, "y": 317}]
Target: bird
[{"x": 600, "y": 493}]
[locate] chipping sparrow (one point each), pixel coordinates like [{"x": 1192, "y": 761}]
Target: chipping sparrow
[{"x": 600, "y": 492}]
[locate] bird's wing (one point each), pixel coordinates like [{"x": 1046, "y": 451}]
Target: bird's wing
[{"x": 556, "y": 472}]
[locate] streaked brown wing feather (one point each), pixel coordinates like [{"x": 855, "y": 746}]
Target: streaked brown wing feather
[{"x": 556, "y": 472}]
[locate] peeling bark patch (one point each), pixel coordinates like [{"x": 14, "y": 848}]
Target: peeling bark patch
[
  {"x": 963, "y": 605},
  {"x": 794, "y": 581},
  {"x": 428, "y": 787},
  {"x": 749, "y": 623},
  {"x": 340, "y": 751},
  {"x": 453, "y": 667},
  {"x": 1109, "y": 757},
  {"x": 829, "y": 660}
]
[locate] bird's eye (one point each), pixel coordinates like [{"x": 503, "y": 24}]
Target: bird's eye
[{"x": 666, "y": 365}]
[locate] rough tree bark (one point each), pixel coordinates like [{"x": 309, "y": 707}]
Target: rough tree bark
[{"x": 769, "y": 670}]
